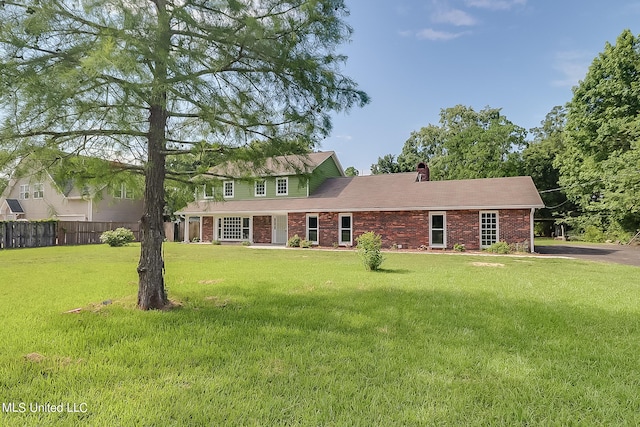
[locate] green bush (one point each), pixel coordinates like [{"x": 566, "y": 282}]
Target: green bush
[
  {"x": 369, "y": 248},
  {"x": 305, "y": 243},
  {"x": 294, "y": 242},
  {"x": 499, "y": 248},
  {"x": 593, "y": 234},
  {"x": 459, "y": 247},
  {"x": 118, "y": 237}
]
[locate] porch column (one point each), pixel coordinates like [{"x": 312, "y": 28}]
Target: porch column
[
  {"x": 185, "y": 238},
  {"x": 531, "y": 231}
]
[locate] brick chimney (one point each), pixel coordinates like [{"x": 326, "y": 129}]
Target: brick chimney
[{"x": 423, "y": 172}]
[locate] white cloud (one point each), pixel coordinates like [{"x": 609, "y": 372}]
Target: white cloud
[
  {"x": 573, "y": 67},
  {"x": 455, "y": 17},
  {"x": 434, "y": 35},
  {"x": 495, "y": 4}
]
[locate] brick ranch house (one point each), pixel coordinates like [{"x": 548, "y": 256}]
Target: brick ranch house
[{"x": 311, "y": 197}]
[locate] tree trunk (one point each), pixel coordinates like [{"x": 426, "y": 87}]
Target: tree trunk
[{"x": 151, "y": 291}]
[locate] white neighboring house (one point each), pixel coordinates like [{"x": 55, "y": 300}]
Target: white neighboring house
[{"x": 39, "y": 197}]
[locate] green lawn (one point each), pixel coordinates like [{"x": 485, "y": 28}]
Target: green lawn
[{"x": 307, "y": 337}]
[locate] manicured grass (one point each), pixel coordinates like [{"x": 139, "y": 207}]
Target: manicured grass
[{"x": 306, "y": 337}]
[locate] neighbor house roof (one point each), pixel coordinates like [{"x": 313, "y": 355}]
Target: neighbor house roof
[
  {"x": 390, "y": 192},
  {"x": 275, "y": 166},
  {"x": 15, "y": 206}
]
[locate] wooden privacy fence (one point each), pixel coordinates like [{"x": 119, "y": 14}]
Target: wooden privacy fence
[
  {"x": 20, "y": 234},
  {"x": 26, "y": 234},
  {"x": 86, "y": 233}
]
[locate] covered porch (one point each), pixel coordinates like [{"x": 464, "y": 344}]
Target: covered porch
[{"x": 255, "y": 228}]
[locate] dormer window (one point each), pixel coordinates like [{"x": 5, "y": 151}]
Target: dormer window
[
  {"x": 282, "y": 186},
  {"x": 228, "y": 189}
]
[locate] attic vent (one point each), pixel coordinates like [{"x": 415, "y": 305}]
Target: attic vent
[{"x": 423, "y": 172}]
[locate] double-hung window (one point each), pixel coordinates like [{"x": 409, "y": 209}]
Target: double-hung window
[
  {"x": 38, "y": 190},
  {"x": 345, "y": 229},
  {"x": 488, "y": 228},
  {"x": 282, "y": 186},
  {"x": 437, "y": 230},
  {"x": 208, "y": 191},
  {"x": 123, "y": 192},
  {"x": 24, "y": 191},
  {"x": 312, "y": 228},
  {"x": 260, "y": 188},
  {"x": 227, "y": 188}
]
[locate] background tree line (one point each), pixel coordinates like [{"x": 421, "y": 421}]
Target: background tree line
[{"x": 584, "y": 157}]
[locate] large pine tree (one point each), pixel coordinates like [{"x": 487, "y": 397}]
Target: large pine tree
[{"x": 139, "y": 81}]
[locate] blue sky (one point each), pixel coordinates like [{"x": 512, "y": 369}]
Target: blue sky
[{"x": 416, "y": 57}]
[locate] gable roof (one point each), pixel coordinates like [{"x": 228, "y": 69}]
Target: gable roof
[
  {"x": 275, "y": 166},
  {"x": 391, "y": 192}
]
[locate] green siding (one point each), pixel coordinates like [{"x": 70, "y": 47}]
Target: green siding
[
  {"x": 327, "y": 169},
  {"x": 244, "y": 189}
]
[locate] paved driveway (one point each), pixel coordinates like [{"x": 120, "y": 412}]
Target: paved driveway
[{"x": 620, "y": 254}]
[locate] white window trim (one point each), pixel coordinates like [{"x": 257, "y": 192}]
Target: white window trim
[
  {"x": 219, "y": 232},
  {"x": 255, "y": 188},
  {"x": 224, "y": 189},
  {"x": 286, "y": 180},
  {"x": 317, "y": 228},
  {"x": 25, "y": 191},
  {"x": 444, "y": 230},
  {"x": 208, "y": 195},
  {"x": 340, "y": 229},
  {"x": 497, "y": 214}
]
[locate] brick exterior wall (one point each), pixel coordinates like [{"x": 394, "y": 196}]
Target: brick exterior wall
[
  {"x": 262, "y": 229},
  {"x": 411, "y": 228},
  {"x": 207, "y": 229}
]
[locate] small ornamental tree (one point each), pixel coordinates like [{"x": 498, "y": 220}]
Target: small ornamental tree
[{"x": 369, "y": 249}]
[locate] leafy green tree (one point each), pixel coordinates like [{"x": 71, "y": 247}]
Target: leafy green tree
[
  {"x": 385, "y": 164},
  {"x": 467, "y": 144},
  {"x": 600, "y": 166},
  {"x": 351, "y": 171},
  {"x": 135, "y": 82},
  {"x": 538, "y": 161}
]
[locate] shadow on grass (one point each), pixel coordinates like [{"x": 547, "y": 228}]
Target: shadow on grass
[{"x": 468, "y": 352}]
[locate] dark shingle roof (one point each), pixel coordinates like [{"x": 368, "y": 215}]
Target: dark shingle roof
[
  {"x": 392, "y": 192},
  {"x": 273, "y": 166}
]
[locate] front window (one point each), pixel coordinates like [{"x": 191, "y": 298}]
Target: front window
[
  {"x": 282, "y": 186},
  {"x": 38, "y": 191},
  {"x": 345, "y": 229},
  {"x": 312, "y": 228},
  {"x": 24, "y": 192},
  {"x": 437, "y": 234},
  {"x": 488, "y": 229},
  {"x": 234, "y": 228},
  {"x": 228, "y": 188},
  {"x": 261, "y": 188}
]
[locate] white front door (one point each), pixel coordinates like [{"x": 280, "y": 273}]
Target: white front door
[{"x": 279, "y": 229}]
